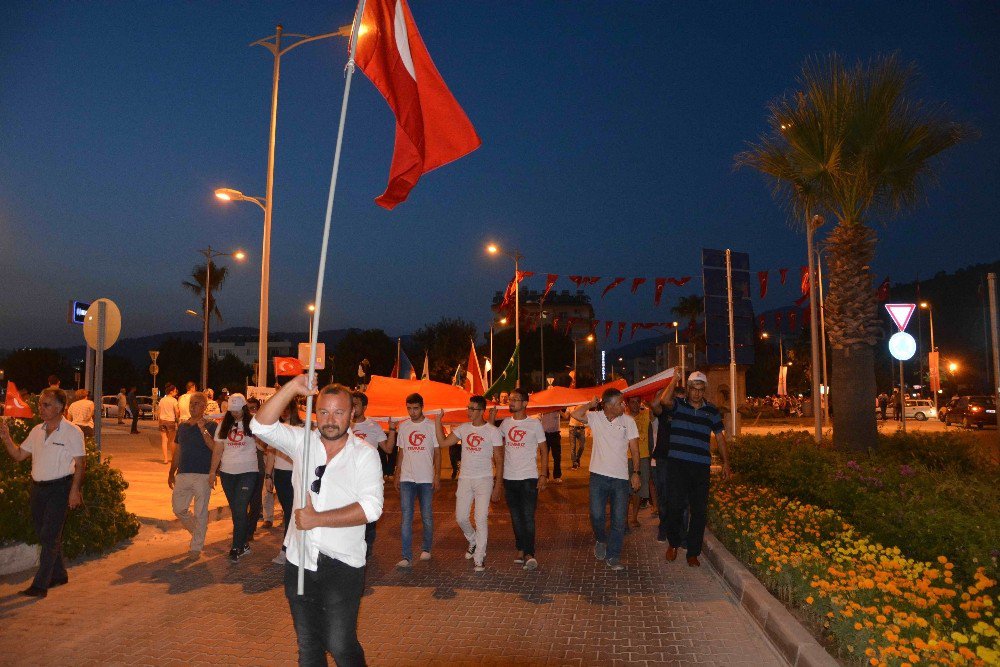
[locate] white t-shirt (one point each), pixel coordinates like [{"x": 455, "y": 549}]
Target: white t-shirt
[
  {"x": 609, "y": 456},
  {"x": 183, "y": 405},
  {"x": 52, "y": 457},
  {"x": 369, "y": 431},
  {"x": 240, "y": 454},
  {"x": 478, "y": 443},
  {"x": 418, "y": 442},
  {"x": 354, "y": 475},
  {"x": 167, "y": 410},
  {"x": 81, "y": 412},
  {"x": 521, "y": 439}
]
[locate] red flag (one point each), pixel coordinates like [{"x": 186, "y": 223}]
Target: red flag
[
  {"x": 607, "y": 328},
  {"x": 658, "y": 290},
  {"x": 473, "y": 376},
  {"x": 284, "y": 366},
  {"x": 882, "y": 294},
  {"x": 802, "y": 299},
  {"x": 762, "y": 279},
  {"x": 635, "y": 325},
  {"x": 804, "y": 287},
  {"x": 508, "y": 296},
  {"x": 760, "y": 322},
  {"x": 680, "y": 282},
  {"x": 14, "y": 406},
  {"x": 621, "y": 331},
  {"x": 569, "y": 325},
  {"x": 521, "y": 275},
  {"x": 593, "y": 327},
  {"x": 550, "y": 280},
  {"x": 555, "y": 322},
  {"x": 613, "y": 284},
  {"x": 784, "y": 275},
  {"x": 577, "y": 280},
  {"x": 636, "y": 282},
  {"x": 431, "y": 128},
  {"x": 592, "y": 280}
]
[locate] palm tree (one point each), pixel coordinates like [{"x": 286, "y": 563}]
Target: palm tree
[
  {"x": 691, "y": 307},
  {"x": 197, "y": 286},
  {"x": 851, "y": 143}
]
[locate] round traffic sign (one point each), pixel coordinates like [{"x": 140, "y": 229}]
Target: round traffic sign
[
  {"x": 902, "y": 346},
  {"x": 153, "y": 369},
  {"x": 112, "y": 323}
]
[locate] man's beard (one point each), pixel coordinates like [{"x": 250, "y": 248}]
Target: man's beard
[{"x": 332, "y": 431}]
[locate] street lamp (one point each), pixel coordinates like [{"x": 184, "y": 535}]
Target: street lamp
[
  {"x": 311, "y": 308},
  {"x": 272, "y": 44},
  {"x": 589, "y": 339},
  {"x": 812, "y": 224},
  {"x": 210, "y": 254},
  {"x": 542, "y": 314},
  {"x": 930, "y": 313},
  {"x": 494, "y": 249},
  {"x": 502, "y": 322}
]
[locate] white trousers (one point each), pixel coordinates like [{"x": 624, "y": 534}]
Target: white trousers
[
  {"x": 188, "y": 486},
  {"x": 478, "y": 490}
]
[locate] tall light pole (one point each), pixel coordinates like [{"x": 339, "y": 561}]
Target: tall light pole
[
  {"x": 930, "y": 312},
  {"x": 494, "y": 249},
  {"x": 311, "y": 308},
  {"x": 541, "y": 339},
  {"x": 822, "y": 338},
  {"x": 274, "y": 45},
  {"x": 502, "y": 321},
  {"x": 812, "y": 224},
  {"x": 210, "y": 254},
  {"x": 589, "y": 339}
]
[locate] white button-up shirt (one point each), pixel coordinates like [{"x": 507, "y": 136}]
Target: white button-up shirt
[
  {"x": 354, "y": 475},
  {"x": 53, "y": 457}
]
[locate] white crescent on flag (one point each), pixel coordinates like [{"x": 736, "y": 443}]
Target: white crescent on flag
[
  {"x": 18, "y": 403},
  {"x": 402, "y": 39}
]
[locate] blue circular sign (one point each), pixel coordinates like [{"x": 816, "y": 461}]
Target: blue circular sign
[{"x": 902, "y": 346}]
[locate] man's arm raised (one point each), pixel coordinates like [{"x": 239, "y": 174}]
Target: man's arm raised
[
  {"x": 580, "y": 412},
  {"x": 270, "y": 412}
]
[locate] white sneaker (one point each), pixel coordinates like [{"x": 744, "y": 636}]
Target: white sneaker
[
  {"x": 531, "y": 564},
  {"x": 480, "y": 567},
  {"x": 425, "y": 555},
  {"x": 280, "y": 559},
  {"x": 403, "y": 564},
  {"x": 470, "y": 552}
]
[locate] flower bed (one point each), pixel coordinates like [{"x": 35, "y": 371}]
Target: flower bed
[{"x": 876, "y": 605}]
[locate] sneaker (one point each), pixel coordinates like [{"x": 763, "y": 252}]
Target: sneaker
[
  {"x": 234, "y": 555},
  {"x": 479, "y": 567},
  {"x": 661, "y": 540},
  {"x": 558, "y": 480},
  {"x": 531, "y": 564},
  {"x": 600, "y": 550},
  {"x": 245, "y": 551},
  {"x": 615, "y": 565},
  {"x": 425, "y": 555},
  {"x": 470, "y": 552},
  {"x": 518, "y": 560},
  {"x": 404, "y": 564},
  {"x": 280, "y": 559}
]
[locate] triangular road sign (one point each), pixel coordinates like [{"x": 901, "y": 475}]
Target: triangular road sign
[{"x": 901, "y": 313}]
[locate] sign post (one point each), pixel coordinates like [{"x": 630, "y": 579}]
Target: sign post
[
  {"x": 901, "y": 347},
  {"x": 154, "y": 370},
  {"x": 101, "y": 326}
]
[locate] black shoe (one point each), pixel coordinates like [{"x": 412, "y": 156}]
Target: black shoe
[
  {"x": 234, "y": 555},
  {"x": 34, "y": 592},
  {"x": 58, "y": 582},
  {"x": 244, "y": 551}
]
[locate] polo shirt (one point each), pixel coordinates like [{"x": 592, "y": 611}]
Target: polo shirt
[
  {"x": 53, "y": 457},
  {"x": 691, "y": 430},
  {"x": 478, "y": 445},
  {"x": 609, "y": 456},
  {"x": 195, "y": 455},
  {"x": 354, "y": 475}
]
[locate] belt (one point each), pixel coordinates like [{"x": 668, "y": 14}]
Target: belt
[{"x": 53, "y": 482}]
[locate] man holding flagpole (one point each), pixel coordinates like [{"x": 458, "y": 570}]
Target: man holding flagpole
[{"x": 344, "y": 493}]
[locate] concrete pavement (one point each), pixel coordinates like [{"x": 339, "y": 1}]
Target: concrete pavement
[{"x": 149, "y": 604}]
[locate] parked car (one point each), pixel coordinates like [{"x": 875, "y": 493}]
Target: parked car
[
  {"x": 920, "y": 409},
  {"x": 109, "y": 407},
  {"x": 971, "y": 411}
]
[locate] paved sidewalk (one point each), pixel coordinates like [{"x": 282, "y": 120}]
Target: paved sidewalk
[{"x": 149, "y": 604}]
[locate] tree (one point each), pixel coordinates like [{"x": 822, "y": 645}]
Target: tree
[
  {"x": 371, "y": 344},
  {"x": 197, "y": 285},
  {"x": 448, "y": 342},
  {"x": 691, "y": 308},
  {"x": 179, "y": 362},
  {"x": 29, "y": 368},
  {"x": 853, "y": 144}
]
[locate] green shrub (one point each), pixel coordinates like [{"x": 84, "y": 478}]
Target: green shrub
[
  {"x": 930, "y": 495},
  {"x": 96, "y": 527}
]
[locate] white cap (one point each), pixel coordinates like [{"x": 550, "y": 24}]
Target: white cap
[
  {"x": 237, "y": 402},
  {"x": 697, "y": 376}
]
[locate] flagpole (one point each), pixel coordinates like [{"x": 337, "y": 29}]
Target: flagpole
[{"x": 304, "y": 483}]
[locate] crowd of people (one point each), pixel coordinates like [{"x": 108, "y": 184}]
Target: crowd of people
[
  {"x": 330, "y": 482},
  {"x": 789, "y": 406}
]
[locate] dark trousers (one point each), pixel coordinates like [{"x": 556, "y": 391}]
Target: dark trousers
[
  {"x": 455, "y": 456},
  {"x": 388, "y": 461},
  {"x": 49, "y": 502},
  {"x": 239, "y": 489},
  {"x": 554, "y": 442},
  {"x": 687, "y": 486},
  {"x": 604, "y": 490},
  {"x": 662, "y": 497},
  {"x": 256, "y": 508},
  {"x": 522, "y": 498},
  {"x": 286, "y": 495},
  {"x": 326, "y": 614},
  {"x": 135, "y": 420}
]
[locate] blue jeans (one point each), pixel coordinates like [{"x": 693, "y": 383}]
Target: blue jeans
[
  {"x": 603, "y": 489},
  {"x": 577, "y": 439},
  {"x": 424, "y": 494},
  {"x": 239, "y": 490},
  {"x": 326, "y": 614},
  {"x": 522, "y": 498}
]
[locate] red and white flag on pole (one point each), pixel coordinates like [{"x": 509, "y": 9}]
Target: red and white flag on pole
[
  {"x": 473, "y": 378},
  {"x": 431, "y": 128},
  {"x": 286, "y": 366},
  {"x": 15, "y": 406}
]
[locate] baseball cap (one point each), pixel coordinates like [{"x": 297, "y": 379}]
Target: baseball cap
[
  {"x": 237, "y": 402},
  {"x": 697, "y": 376}
]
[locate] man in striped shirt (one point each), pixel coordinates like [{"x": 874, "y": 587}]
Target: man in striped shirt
[{"x": 693, "y": 421}]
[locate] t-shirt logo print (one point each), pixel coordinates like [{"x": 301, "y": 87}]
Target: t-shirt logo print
[
  {"x": 474, "y": 442},
  {"x": 236, "y": 437},
  {"x": 515, "y": 436},
  {"x": 417, "y": 440}
]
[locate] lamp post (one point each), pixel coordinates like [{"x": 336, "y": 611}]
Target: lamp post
[
  {"x": 210, "y": 254},
  {"x": 822, "y": 338},
  {"x": 542, "y": 314},
  {"x": 494, "y": 249},
  {"x": 812, "y": 224},
  {"x": 502, "y": 321},
  {"x": 589, "y": 339},
  {"x": 930, "y": 312},
  {"x": 274, "y": 45},
  {"x": 311, "y": 308}
]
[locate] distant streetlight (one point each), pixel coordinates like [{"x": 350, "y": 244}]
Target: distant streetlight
[
  {"x": 502, "y": 322},
  {"x": 953, "y": 367},
  {"x": 589, "y": 339},
  {"x": 210, "y": 254},
  {"x": 311, "y": 308},
  {"x": 494, "y": 249}
]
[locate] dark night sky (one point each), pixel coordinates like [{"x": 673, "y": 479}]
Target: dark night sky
[{"x": 609, "y": 131}]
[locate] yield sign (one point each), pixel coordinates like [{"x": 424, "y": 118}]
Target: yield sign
[{"x": 900, "y": 313}]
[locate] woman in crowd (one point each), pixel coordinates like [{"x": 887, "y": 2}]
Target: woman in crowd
[
  {"x": 235, "y": 458},
  {"x": 279, "y": 478}
]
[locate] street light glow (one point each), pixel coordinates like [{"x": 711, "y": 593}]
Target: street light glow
[
  {"x": 923, "y": 304},
  {"x": 239, "y": 255},
  {"x": 953, "y": 367},
  {"x": 228, "y": 194},
  {"x": 192, "y": 313},
  {"x": 503, "y": 320},
  {"x": 492, "y": 249},
  {"x": 765, "y": 335},
  {"x": 311, "y": 308},
  {"x": 590, "y": 338}
]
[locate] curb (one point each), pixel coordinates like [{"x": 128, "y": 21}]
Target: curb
[
  {"x": 19, "y": 557},
  {"x": 796, "y": 644}
]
